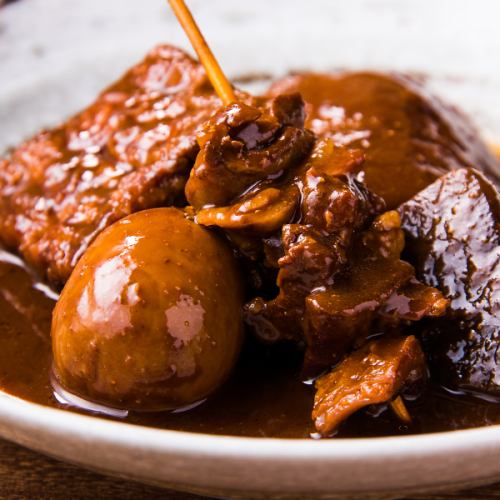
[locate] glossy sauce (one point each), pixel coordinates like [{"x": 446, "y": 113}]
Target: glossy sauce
[
  {"x": 264, "y": 397},
  {"x": 130, "y": 150},
  {"x": 409, "y": 136}
]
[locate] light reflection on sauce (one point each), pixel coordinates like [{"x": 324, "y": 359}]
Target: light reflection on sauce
[{"x": 184, "y": 331}]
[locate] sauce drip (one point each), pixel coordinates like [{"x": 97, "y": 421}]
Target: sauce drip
[{"x": 263, "y": 398}]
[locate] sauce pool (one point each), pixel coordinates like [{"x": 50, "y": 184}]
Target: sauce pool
[{"x": 264, "y": 397}]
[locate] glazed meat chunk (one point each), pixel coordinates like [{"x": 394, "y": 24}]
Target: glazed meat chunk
[
  {"x": 453, "y": 239},
  {"x": 291, "y": 203},
  {"x": 340, "y": 275},
  {"x": 243, "y": 180},
  {"x": 131, "y": 149},
  {"x": 315, "y": 248},
  {"x": 374, "y": 374},
  {"x": 244, "y": 144},
  {"x": 409, "y": 137}
]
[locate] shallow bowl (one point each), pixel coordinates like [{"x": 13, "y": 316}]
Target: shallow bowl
[{"x": 53, "y": 60}]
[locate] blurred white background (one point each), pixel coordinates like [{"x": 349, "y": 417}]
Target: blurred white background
[{"x": 55, "y": 55}]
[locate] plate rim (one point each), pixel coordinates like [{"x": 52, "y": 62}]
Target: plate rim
[{"x": 15, "y": 409}]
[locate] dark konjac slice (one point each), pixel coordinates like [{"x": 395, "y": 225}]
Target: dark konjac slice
[
  {"x": 374, "y": 374},
  {"x": 453, "y": 239},
  {"x": 131, "y": 149},
  {"x": 409, "y": 137}
]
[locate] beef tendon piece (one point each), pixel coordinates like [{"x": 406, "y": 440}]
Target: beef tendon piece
[
  {"x": 409, "y": 137},
  {"x": 374, "y": 374},
  {"x": 130, "y": 150},
  {"x": 378, "y": 294},
  {"x": 453, "y": 239},
  {"x": 247, "y": 143},
  {"x": 340, "y": 275},
  {"x": 312, "y": 251}
]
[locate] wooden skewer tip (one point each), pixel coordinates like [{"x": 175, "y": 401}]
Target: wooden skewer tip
[{"x": 399, "y": 408}]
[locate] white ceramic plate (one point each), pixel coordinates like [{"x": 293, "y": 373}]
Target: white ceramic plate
[
  {"x": 249, "y": 467},
  {"x": 56, "y": 55}
]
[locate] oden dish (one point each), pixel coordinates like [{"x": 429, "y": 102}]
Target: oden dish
[{"x": 349, "y": 220}]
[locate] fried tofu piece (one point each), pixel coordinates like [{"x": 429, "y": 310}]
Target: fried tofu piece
[{"x": 130, "y": 150}]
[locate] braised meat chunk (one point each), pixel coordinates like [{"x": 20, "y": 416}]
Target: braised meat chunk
[
  {"x": 377, "y": 296},
  {"x": 131, "y": 149},
  {"x": 244, "y": 144},
  {"x": 409, "y": 137},
  {"x": 314, "y": 249},
  {"x": 372, "y": 375},
  {"x": 337, "y": 254},
  {"x": 340, "y": 275},
  {"x": 377, "y": 293},
  {"x": 244, "y": 178},
  {"x": 453, "y": 239}
]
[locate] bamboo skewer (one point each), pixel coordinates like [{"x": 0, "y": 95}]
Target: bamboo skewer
[
  {"x": 399, "y": 408},
  {"x": 215, "y": 74},
  {"x": 225, "y": 91}
]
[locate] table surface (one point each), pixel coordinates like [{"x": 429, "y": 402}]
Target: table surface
[{"x": 26, "y": 474}]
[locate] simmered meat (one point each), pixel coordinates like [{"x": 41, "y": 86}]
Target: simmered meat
[
  {"x": 340, "y": 275},
  {"x": 374, "y": 374},
  {"x": 243, "y": 180},
  {"x": 376, "y": 296},
  {"x": 314, "y": 249},
  {"x": 374, "y": 292},
  {"x": 244, "y": 144},
  {"x": 453, "y": 239},
  {"x": 409, "y": 137},
  {"x": 132, "y": 149}
]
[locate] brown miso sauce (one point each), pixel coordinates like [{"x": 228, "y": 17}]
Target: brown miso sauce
[{"x": 264, "y": 397}]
